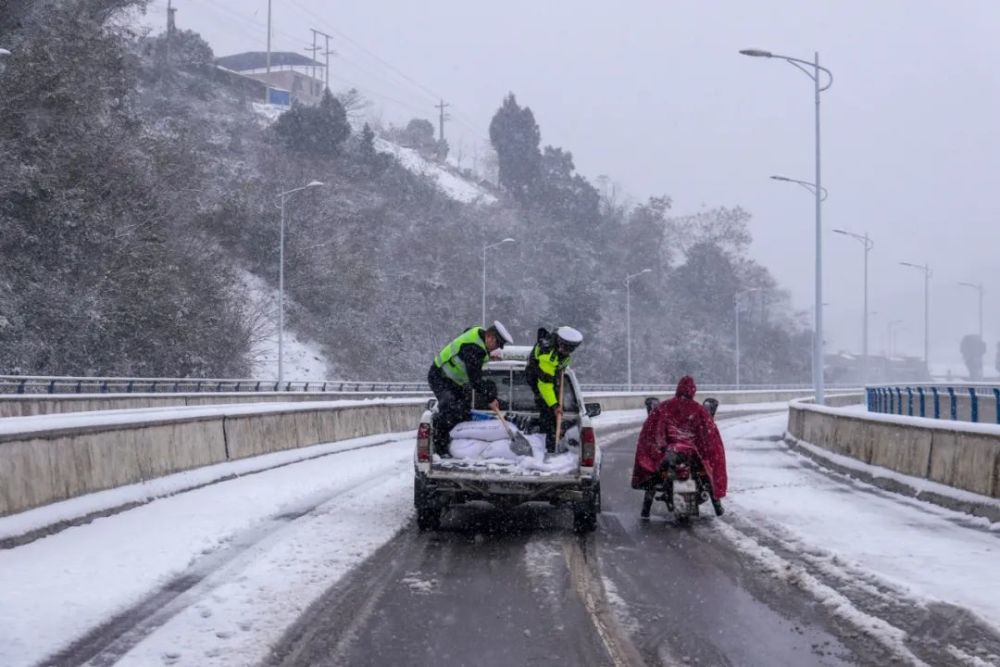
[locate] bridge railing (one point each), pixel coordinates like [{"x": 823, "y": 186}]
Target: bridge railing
[{"x": 973, "y": 402}]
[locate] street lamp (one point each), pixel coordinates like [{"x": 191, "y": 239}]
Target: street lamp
[
  {"x": 979, "y": 288},
  {"x": 628, "y": 321},
  {"x": 811, "y": 187},
  {"x": 485, "y": 248},
  {"x": 736, "y": 308},
  {"x": 281, "y": 277},
  {"x": 927, "y": 301},
  {"x": 814, "y": 74},
  {"x": 868, "y": 244}
]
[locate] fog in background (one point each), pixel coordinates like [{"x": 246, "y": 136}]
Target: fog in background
[{"x": 655, "y": 96}]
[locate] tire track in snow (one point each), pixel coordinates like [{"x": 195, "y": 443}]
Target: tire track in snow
[{"x": 107, "y": 643}]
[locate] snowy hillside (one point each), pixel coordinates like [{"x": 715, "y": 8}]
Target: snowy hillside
[{"x": 456, "y": 187}]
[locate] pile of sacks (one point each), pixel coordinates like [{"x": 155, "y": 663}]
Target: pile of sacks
[{"x": 487, "y": 439}]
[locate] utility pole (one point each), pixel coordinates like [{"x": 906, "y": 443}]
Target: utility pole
[
  {"x": 442, "y": 117},
  {"x": 312, "y": 50},
  {"x": 327, "y": 53},
  {"x": 267, "y": 83}
]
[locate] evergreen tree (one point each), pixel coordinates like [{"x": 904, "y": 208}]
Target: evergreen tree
[
  {"x": 317, "y": 131},
  {"x": 515, "y": 137}
]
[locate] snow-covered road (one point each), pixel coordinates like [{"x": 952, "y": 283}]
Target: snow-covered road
[
  {"x": 877, "y": 560},
  {"x": 215, "y": 575}
]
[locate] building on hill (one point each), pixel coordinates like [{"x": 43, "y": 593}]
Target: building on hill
[{"x": 293, "y": 76}]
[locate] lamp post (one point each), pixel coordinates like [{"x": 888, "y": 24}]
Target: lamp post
[
  {"x": 814, "y": 74},
  {"x": 628, "y": 321},
  {"x": 485, "y": 248},
  {"x": 978, "y": 288},
  {"x": 927, "y": 308},
  {"x": 736, "y": 308},
  {"x": 868, "y": 244},
  {"x": 281, "y": 277}
]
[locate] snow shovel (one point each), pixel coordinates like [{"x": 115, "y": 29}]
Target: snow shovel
[{"x": 518, "y": 443}]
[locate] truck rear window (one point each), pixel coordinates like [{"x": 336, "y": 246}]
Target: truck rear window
[{"x": 515, "y": 394}]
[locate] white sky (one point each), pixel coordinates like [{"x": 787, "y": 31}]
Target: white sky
[{"x": 654, "y": 94}]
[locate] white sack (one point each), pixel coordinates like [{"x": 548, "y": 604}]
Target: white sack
[{"x": 487, "y": 430}]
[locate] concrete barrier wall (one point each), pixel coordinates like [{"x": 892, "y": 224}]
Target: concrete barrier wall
[
  {"x": 41, "y": 466},
  {"x": 964, "y": 456}
]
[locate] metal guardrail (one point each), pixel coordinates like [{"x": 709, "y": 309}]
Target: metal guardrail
[
  {"x": 713, "y": 387},
  {"x": 44, "y": 384},
  {"x": 37, "y": 384},
  {"x": 926, "y": 400}
]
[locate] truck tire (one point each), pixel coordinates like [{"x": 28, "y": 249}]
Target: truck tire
[
  {"x": 428, "y": 511},
  {"x": 585, "y": 513},
  {"x": 428, "y": 518}
]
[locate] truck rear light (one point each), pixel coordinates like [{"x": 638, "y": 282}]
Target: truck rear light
[
  {"x": 588, "y": 447},
  {"x": 424, "y": 442}
]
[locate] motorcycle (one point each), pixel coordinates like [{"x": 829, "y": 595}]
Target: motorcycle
[{"x": 683, "y": 485}]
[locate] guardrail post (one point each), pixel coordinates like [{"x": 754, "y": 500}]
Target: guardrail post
[
  {"x": 937, "y": 403},
  {"x": 79, "y": 386},
  {"x": 899, "y": 401},
  {"x": 52, "y": 386},
  {"x": 996, "y": 398},
  {"x": 923, "y": 401},
  {"x": 306, "y": 388},
  {"x": 128, "y": 387},
  {"x": 892, "y": 400},
  {"x": 868, "y": 398},
  {"x": 20, "y": 386},
  {"x": 974, "y": 410},
  {"x": 324, "y": 387},
  {"x": 954, "y": 403},
  {"x": 909, "y": 401},
  {"x": 104, "y": 386}
]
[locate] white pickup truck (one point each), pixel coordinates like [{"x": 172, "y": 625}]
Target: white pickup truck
[{"x": 440, "y": 482}]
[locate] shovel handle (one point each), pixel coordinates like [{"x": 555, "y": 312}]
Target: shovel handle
[
  {"x": 503, "y": 422},
  {"x": 562, "y": 379}
]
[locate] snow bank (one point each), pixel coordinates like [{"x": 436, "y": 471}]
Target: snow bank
[{"x": 853, "y": 531}]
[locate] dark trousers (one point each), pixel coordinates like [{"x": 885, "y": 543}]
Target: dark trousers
[
  {"x": 454, "y": 406},
  {"x": 547, "y": 423}
]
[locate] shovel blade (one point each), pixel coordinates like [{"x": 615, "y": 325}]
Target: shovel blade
[{"x": 520, "y": 445}]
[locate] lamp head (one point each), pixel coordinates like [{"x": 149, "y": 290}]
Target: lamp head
[
  {"x": 314, "y": 184},
  {"x": 757, "y": 53}
]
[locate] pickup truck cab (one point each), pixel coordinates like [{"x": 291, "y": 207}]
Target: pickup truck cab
[{"x": 441, "y": 482}]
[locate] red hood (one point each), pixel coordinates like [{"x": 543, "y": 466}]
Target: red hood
[{"x": 686, "y": 387}]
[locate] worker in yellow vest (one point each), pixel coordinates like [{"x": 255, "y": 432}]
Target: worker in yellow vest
[
  {"x": 457, "y": 371},
  {"x": 549, "y": 359}
]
